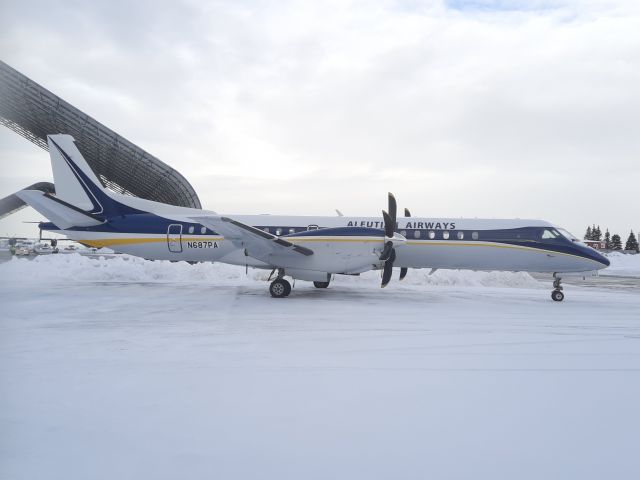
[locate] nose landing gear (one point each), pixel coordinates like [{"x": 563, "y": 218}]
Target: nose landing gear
[{"x": 557, "y": 294}]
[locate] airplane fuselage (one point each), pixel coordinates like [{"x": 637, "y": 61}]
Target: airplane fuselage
[
  {"x": 308, "y": 248},
  {"x": 476, "y": 244}
]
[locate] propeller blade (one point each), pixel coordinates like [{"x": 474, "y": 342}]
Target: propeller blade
[
  {"x": 386, "y": 274},
  {"x": 393, "y": 209},
  {"x": 388, "y": 269},
  {"x": 389, "y": 224},
  {"x": 407, "y": 213},
  {"x": 388, "y": 255},
  {"x": 403, "y": 272},
  {"x": 386, "y": 252}
]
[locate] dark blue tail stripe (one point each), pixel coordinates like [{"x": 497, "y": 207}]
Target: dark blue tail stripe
[{"x": 103, "y": 205}]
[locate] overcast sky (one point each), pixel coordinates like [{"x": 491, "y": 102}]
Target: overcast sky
[{"x": 478, "y": 108}]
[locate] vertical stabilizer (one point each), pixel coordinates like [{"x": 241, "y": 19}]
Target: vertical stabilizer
[{"x": 74, "y": 180}]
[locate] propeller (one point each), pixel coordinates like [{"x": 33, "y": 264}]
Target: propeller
[
  {"x": 405, "y": 270},
  {"x": 388, "y": 254},
  {"x": 403, "y": 273}
]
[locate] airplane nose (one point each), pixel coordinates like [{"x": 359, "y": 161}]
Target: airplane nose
[{"x": 598, "y": 257}]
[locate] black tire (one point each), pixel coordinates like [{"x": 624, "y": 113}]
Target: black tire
[
  {"x": 321, "y": 284},
  {"x": 557, "y": 296},
  {"x": 279, "y": 288}
]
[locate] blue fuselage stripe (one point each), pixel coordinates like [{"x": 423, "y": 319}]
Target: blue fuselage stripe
[{"x": 150, "y": 224}]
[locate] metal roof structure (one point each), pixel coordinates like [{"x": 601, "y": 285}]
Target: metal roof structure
[
  {"x": 34, "y": 112},
  {"x": 12, "y": 203}
]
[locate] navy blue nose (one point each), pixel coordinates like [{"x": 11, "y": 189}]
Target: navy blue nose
[
  {"x": 598, "y": 257},
  {"x": 604, "y": 260}
]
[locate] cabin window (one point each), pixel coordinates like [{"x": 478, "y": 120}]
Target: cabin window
[
  {"x": 278, "y": 231},
  {"x": 203, "y": 230},
  {"x": 266, "y": 229},
  {"x": 192, "y": 229},
  {"x": 432, "y": 234},
  {"x": 403, "y": 233},
  {"x": 416, "y": 234},
  {"x": 292, "y": 230},
  {"x": 445, "y": 235},
  {"x": 460, "y": 235},
  {"x": 312, "y": 227},
  {"x": 474, "y": 235}
]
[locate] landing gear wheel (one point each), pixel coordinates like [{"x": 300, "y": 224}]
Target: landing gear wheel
[
  {"x": 321, "y": 284},
  {"x": 557, "y": 294},
  {"x": 279, "y": 288}
]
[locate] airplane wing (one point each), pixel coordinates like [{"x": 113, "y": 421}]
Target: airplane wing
[{"x": 259, "y": 244}]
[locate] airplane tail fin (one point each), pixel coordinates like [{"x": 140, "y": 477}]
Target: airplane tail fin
[
  {"x": 80, "y": 200},
  {"x": 75, "y": 182}
]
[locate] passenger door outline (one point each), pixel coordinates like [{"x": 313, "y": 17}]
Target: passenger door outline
[{"x": 174, "y": 238}]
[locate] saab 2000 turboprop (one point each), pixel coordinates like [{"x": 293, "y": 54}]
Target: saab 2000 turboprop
[{"x": 302, "y": 247}]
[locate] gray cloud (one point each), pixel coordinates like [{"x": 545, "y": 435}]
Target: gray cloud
[{"x": 463, "y": 108}]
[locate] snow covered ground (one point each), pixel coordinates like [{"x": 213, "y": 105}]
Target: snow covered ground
[
  {"x": 131, "y": 369},
  {"x": 623, "y": 265}
]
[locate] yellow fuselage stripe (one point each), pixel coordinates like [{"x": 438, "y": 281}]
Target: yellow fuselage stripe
[
  {"x": 436, "y": 243},
  {"x": 106, "y": 242}
]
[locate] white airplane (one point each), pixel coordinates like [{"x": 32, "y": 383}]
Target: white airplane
[{"x": 302, "y": 247}]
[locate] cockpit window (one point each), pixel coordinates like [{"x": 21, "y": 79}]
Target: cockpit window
[
  {"x": 549, "y": 233},
  {"x": 568, "y": 235}
]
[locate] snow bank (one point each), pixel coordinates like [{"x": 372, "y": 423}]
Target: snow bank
[
  {"x": 458, "y": 278},
  {"x": 473, "y": 279},
  {"x": 123, "y": 268},
  {"x": 624, "y": 265},
  {"x": 77, "y": 268}
]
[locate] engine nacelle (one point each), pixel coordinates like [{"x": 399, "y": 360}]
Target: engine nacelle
[{"x": 335, "y": 250}]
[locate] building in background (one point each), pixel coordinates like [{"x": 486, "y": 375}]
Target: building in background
[
  {"x": 34, "y": 112},
  {"x": 597, "y": 244}
]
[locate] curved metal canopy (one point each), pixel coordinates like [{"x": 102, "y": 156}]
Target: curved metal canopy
[{"x": 34, "y": 112}]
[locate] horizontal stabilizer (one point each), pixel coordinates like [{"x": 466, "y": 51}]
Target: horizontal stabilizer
[
  {"x": 61, "y": 213},
  {"x": 12, "y": 203}
]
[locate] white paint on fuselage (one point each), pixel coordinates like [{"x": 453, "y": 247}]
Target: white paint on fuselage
[{"x": 416, "y": 253}]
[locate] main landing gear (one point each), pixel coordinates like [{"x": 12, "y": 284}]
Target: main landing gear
[
  {"x": 557, "y": 294},
  {"x": 280, "y": 288},
  {"x": 321, "y": 284}
]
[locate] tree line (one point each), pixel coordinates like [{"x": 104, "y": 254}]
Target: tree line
[{"x": 611, "y": 242}]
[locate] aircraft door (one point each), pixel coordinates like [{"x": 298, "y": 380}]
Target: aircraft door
[{"x": 174, "y": 238}]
